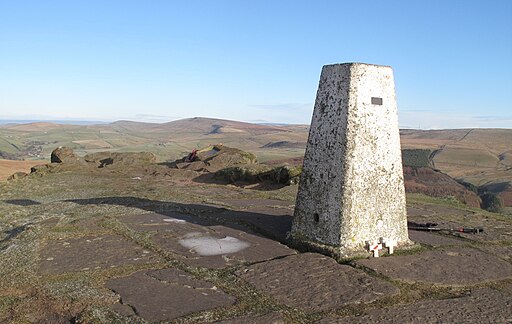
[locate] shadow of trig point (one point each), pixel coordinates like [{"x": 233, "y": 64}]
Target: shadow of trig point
[{"x": 351, "y": 191}]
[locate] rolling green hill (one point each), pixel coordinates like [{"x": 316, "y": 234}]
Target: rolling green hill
[
  {"x": 168, "y": 141},
  {"x": 478, "y": 156}
]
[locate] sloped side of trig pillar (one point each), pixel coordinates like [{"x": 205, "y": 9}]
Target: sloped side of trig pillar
[{"x": 351, "y": 189}]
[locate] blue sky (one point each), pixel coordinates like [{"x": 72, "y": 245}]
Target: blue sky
[{"x": 251, "y": 60}]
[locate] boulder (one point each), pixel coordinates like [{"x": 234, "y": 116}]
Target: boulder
[
  {"x": 245, "y": 173},
  {"x": 284, "y": 175},
  {"x": 64, "y": 155},
  {"x": 17, "y": 175},
  {"x": 43, "y": 169},
  {"x": 124, "y": 159},
  {"x": 214, "y": 158}
]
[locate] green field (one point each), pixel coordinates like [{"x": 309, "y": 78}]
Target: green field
[{"x": 478, "y": 156}]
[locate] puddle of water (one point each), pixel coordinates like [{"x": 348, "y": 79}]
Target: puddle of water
[
  {"x": 174, "y": 220},
  {"x": 208, "y": 246}
]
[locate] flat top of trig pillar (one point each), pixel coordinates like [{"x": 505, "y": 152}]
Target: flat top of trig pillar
[{"x": 358, "y": 63}]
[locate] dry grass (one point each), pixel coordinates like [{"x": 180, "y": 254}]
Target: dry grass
[{"x": 8, "y": 167}]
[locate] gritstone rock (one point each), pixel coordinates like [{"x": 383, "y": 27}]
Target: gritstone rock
[
  {"x": 63, "y": 155},
  {"x": 216, "y": 157},
  {"x": 17, "y": 175},
  {"x": 123, "y": 159}
]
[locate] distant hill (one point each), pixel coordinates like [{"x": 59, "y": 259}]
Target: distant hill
[
  {"x": 69, "y": 122},
  {"x": 478, "y": 156},
  {"x": 167, "y": 140},
  {"x": 38, "y": 126}
]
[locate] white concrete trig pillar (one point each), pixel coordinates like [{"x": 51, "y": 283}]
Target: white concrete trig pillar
[{"x": 351, "y": 188}]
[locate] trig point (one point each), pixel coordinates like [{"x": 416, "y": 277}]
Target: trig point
[{"x": 351, "y": 192}]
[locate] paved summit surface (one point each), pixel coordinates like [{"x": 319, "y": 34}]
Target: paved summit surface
[{"x": 89, "y": 247}]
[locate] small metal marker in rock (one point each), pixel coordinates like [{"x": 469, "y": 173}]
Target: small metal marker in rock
[{"x": 351, "y": 198}]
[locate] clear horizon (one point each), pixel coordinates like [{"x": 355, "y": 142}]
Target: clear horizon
[
  {"x": 255, "y": 61},
  {"x": 97, "y": 122}
]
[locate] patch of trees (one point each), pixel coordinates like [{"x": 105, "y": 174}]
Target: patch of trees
[
  {"x": 490, "y": 200},
  {"x": 417, "y": 158}
]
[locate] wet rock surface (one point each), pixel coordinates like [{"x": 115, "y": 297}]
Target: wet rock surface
[
  {"x": 451, "y": 266},
  {"x": 163, "y": 295},
  {"x": 316, "y": 282},
  {"x": 198, "y": 242}
]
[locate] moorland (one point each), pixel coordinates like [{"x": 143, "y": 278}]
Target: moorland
[{"x": 124, "y": 237}]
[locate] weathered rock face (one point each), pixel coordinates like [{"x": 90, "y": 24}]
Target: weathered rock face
[
  {"x": 351, "y": 189},
  {"x": 17, "y": 175},
  {"x": 253, "y": 173},
  {"x": 42, "y": 169},
  {"x": 316, "y": 282},
  {"x": 216, "y": 157},
  {"x": 123, "y": 159},
  {"x": 63, "y": 155}
]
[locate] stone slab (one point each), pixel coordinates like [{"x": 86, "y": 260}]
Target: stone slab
[
  {"x": 494, "y": 231},
  {"x": 271, "y": 318},
  {"x": 433, "y": 239},
  {"x": 501, "y": 251},
  {"x": 272, "y": 222},
  {"x": 202, "y": 243},
  {"x": 315, "y": 282},
  {"x": 481, "y": 306},
  {"x": 451, "y": 267},
  {"x": 506, "y": 288},
  {"x": 163, "y": 295},
  {"x": 220, "y": 246},
  {"x": 123, "y": 310},
  {"x": 175, "y": 223},
  {"x": 444, "y": 211},
  {"x": 92, "y": 252},
  {"x": 414, "y": 211},
  {"x": 255, "y": 202}
]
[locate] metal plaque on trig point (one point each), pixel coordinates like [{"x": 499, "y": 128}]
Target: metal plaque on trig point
[{"x": 376, "y": 101}]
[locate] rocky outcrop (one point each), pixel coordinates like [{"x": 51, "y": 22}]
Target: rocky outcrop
[
  {"x": 255, "y": 173},
  {"x": 17, "y": 175},
  {"x": 64, "y": 155},
  {"x": 215, "y": 158},
  {"x": 43, "y": 169},
  {"x": 120, "y": 159}
]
